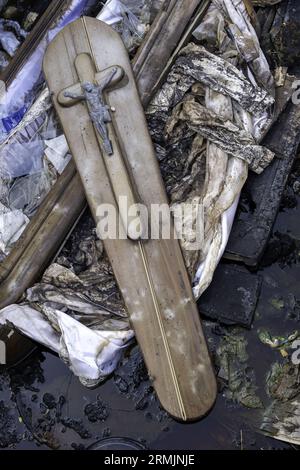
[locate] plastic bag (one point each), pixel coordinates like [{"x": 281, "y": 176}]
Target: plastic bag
[
  {"x": 12, "y": 225},
  {"x": 11, "y": 36},
  {"x": 27, "y": 193},
  {"x": 22, "y": 91},
  {"x": 130, "y": 26}
]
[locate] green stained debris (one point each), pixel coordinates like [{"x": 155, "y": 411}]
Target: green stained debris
[
  {"x": 282, "y": 343},
  {"x": 277, "y": 303},
  {"x": 234, "y": 371},
  {"x": 283, "y": 381},
  {"x": 281, "y": 419}
]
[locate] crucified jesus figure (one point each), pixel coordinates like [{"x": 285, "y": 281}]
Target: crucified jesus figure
[{"x": 98, "y": 110}]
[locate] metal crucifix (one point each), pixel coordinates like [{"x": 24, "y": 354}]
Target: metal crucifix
[{"x": 91, "y": 89}]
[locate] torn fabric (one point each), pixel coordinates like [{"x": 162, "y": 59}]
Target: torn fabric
[
  {"x": 222, "y": 76},
  {"x": 226, "y": 135},
  {"x": 90, "y": 354}
]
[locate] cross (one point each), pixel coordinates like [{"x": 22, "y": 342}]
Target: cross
[{"x": 91, "y": 90}]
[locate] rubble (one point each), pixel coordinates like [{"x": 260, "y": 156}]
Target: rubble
[
  {"x": 238, "y": 308},
  {"x": 232, "y": 361},
  {"x": 262, "y": 194},
  {"x": 71, "y": 285}
]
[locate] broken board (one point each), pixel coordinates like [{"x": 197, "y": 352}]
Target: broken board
[
  {"x": 254, "y": 221},
  {"x": 239, "y": 307},
  {"x": 118, "y": 160}
]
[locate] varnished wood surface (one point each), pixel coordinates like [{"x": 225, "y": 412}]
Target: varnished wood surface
[{"x": 151, "y": 275}]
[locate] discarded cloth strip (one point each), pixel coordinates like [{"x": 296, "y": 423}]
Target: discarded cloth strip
[
  {"x": 91, "y": 354},
  {"x": 225, "y": 134},
  {"x": 222, "y": 76}
]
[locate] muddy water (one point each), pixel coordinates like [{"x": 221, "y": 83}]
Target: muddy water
[{"x": 43, "y": 405}]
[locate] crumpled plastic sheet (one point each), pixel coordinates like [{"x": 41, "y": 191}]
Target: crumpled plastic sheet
[
  {"x": 18, "y": 159},
  {"x": 27, "y": 193},
  {"x": 122, "y": 18},
  {"x": 12, "y": 224},
  {"x": 89, "y": 353},
  {"x": 21, "y": 93},
  {"x": 69, "y": 303},
  {"x": 57, "y": 152},
  {"x": 30, "y": 161},
  {"x": 11, "y": 35}
]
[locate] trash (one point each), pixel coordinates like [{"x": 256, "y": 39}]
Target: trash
[
  {"x": 226, "y": 135},
  {"x": 227, "y": 174},
  {"x": 239, "y": 378},
  {"x": 21, "y": 92},
  {"x": 262, "y": 193},
  {"x": 281, "y": 421},
  {"x": 223, "y": 77},
  {"x": 28, "y": 192},
  {"x": 283, "y": 381},
  {"x": 4, "y": 60},
  {"x": 181, "y": 81},
  {"x": 32, "y": 120},
  {"x": 12, "y": 224},
  {"x": 239, "y": 307},
  {"x": 265, "y": 3},
  {"x": 56, "y": 151},
  {"x": 92, "y": 358},
  {"x": 19, "y": 160},
  {"x": 283, "y": 344},
  {"x": 96, "y": 306},
  {"x": 131, "y": 28},
  {"x": 30, "y": 20},
  {"x": 29, "y": 162},
  {"x": 10, "y": 36}
]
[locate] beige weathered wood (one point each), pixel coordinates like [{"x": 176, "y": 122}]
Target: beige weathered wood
[
  {"x": 172, "y": 27},
  {"x": 151, "y": 274}
]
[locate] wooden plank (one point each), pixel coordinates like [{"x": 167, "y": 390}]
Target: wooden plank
[
  {"x": 53, "y": 12},
  {"x": 45, "y": 243},
  {"x": 151, "y": 274},
  {"x": 170, "y": 28},
  {"x": 36, "y": 222}
]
